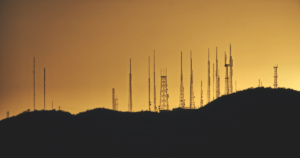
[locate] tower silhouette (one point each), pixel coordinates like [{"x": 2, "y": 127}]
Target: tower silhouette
[
  {"x": 130, "y": 91},
  {"x": 192, "y": 103},
  {"x": 181, "y": 98},
  {"x": 164, "y": 104},
  {"x": 275, "y": 76}
]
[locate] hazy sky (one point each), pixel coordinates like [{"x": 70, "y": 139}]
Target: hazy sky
[{"x": 86, "y": 45}]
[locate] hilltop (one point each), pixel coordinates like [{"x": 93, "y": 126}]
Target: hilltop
[{"x": 253, "y": 121}]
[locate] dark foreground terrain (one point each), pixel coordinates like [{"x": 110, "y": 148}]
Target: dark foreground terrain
[{"x": 259, "y": 122}]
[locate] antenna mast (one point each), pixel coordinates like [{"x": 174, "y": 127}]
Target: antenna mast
[
  {"x": 217, "y": 76},
  {"x": 44, "y": 88},
  {"x": 275, "y": 76},
  {"x": 226, "y": 77},
  {"x": 201, "y": 102},
  {"x": 33, "y": 83},
  {"x": 130, "y": 91},
  {"x": 154, "y": 82},
  {"x": 181, "y": 101},
  {"x": 231, "y": 72},
  {"x": 208, "y": 87},
  {"x": 192, "y": 104},
  {"x": 149, "y": 84}
]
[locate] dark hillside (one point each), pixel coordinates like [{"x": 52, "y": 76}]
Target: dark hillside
[{"x": 249, "y": 122}]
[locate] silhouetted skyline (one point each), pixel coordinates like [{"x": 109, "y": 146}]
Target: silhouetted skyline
[{"x": 86, "y": 46}]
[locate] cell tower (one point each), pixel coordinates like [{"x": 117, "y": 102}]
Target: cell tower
[
  {"x": 192, "y": 103},
  {"x": 44, "y": 88},
  {"x": 33, "y": 83},
  {"x": 154, "y": 84},
  {"x": 213, "y": 81},
  {"x": 201, "y": 101},
  {"x": 226, "y": 77},
  {"x": 164, "y": 104},
  {"x": 217, "y": 76},
  {"x": 231, "y": 72},
  {"x": 114, "y": 100},
  {"x": 275, "y": 76},
  {"x": 208, "y": 86},
  {"x": 130, "y": 91},
  {"x": 181, "y": 98},
  {"x": 149, "y": 84}
]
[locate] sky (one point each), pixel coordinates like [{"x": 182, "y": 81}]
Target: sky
[{"x": 86, "y": 45}]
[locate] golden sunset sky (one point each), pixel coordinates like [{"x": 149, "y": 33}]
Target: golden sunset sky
[{"x": 86, "y": 45}]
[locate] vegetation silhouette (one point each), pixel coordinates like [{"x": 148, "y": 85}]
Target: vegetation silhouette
[{"x": 260, "y": 121}]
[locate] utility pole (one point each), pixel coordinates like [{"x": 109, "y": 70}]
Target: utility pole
[{"x": 181, "y": 99}]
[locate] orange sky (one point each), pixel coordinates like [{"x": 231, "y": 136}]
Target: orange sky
[{"x": 85, "y": 47}]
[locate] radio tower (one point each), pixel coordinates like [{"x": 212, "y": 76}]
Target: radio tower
[
  {"x": 154, "y": 83},
  {"x": 275, "y": 76},
  {"x": 114, "y": 100},
  {"x": 231, "y": 72},
  {"x": 192, "y": 103},
  {"x": 130, "y": 91},
  {"x": 33, "y": 83},
  {"x": 208, "y": 87},
  {"x": 44, "y": 88},
  {"x": 213, "y": 81},
  {"x": 164, "y": 105},
  {"x": 201, "y": 102},
  {"x": 226, "y": 77},
  {"x": 181, "y": 99},
  {"x": 149, "y": 84},
  {"x": 217, "y": 76}
]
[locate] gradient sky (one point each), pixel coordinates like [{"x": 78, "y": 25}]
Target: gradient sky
[{"x": 86, "y": 45}]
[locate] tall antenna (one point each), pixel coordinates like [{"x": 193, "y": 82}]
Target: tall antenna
[
  {"x": 213, "y": 81},
  {"x": 192, "y": 104},
  {"x": 208, "y": 86},
  {"x": 154, "y": 102},
  {"x": 149, "y": 84},
  {"x": 217, "y": 76},
  {"x": 181, "y": 98},
  {"x": 130, "y": 91},
  {"x": 231, "y": 72},
  {"x": 226, "y": 77},
  {"x": 201, "y": 101},
  {"x": 33, "y": 83},
  {"x": 275, "y": 76},
  {"x": 44, "y": 88}
]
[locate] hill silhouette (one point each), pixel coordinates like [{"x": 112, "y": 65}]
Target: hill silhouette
[{"x": 254, "y": 122}]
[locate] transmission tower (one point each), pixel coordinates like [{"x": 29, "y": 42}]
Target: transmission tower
[
  {"x": 231, "y": 72},
  {"x": 226, "y": 77},
  {"x": 149, "y": 84},
  {"x": 130, "y": 91},
  {"x": 154, "y": 83},
  {"x": 33, "y": 83},
  {"x": 44, "y": 88},
  {"x": 164, "y": 104},
  {"x": 275, "y": 76},
  {"x": 181, "y": 98},
  {"x": 213, "y": 81},
  {"x": 208, "y": 86},
  {"x": 114, "y": 100},
  {"x": 217, "y": 76},
  {"x": 192, "y": 103},
  {"x": 201, "y": 101}
]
